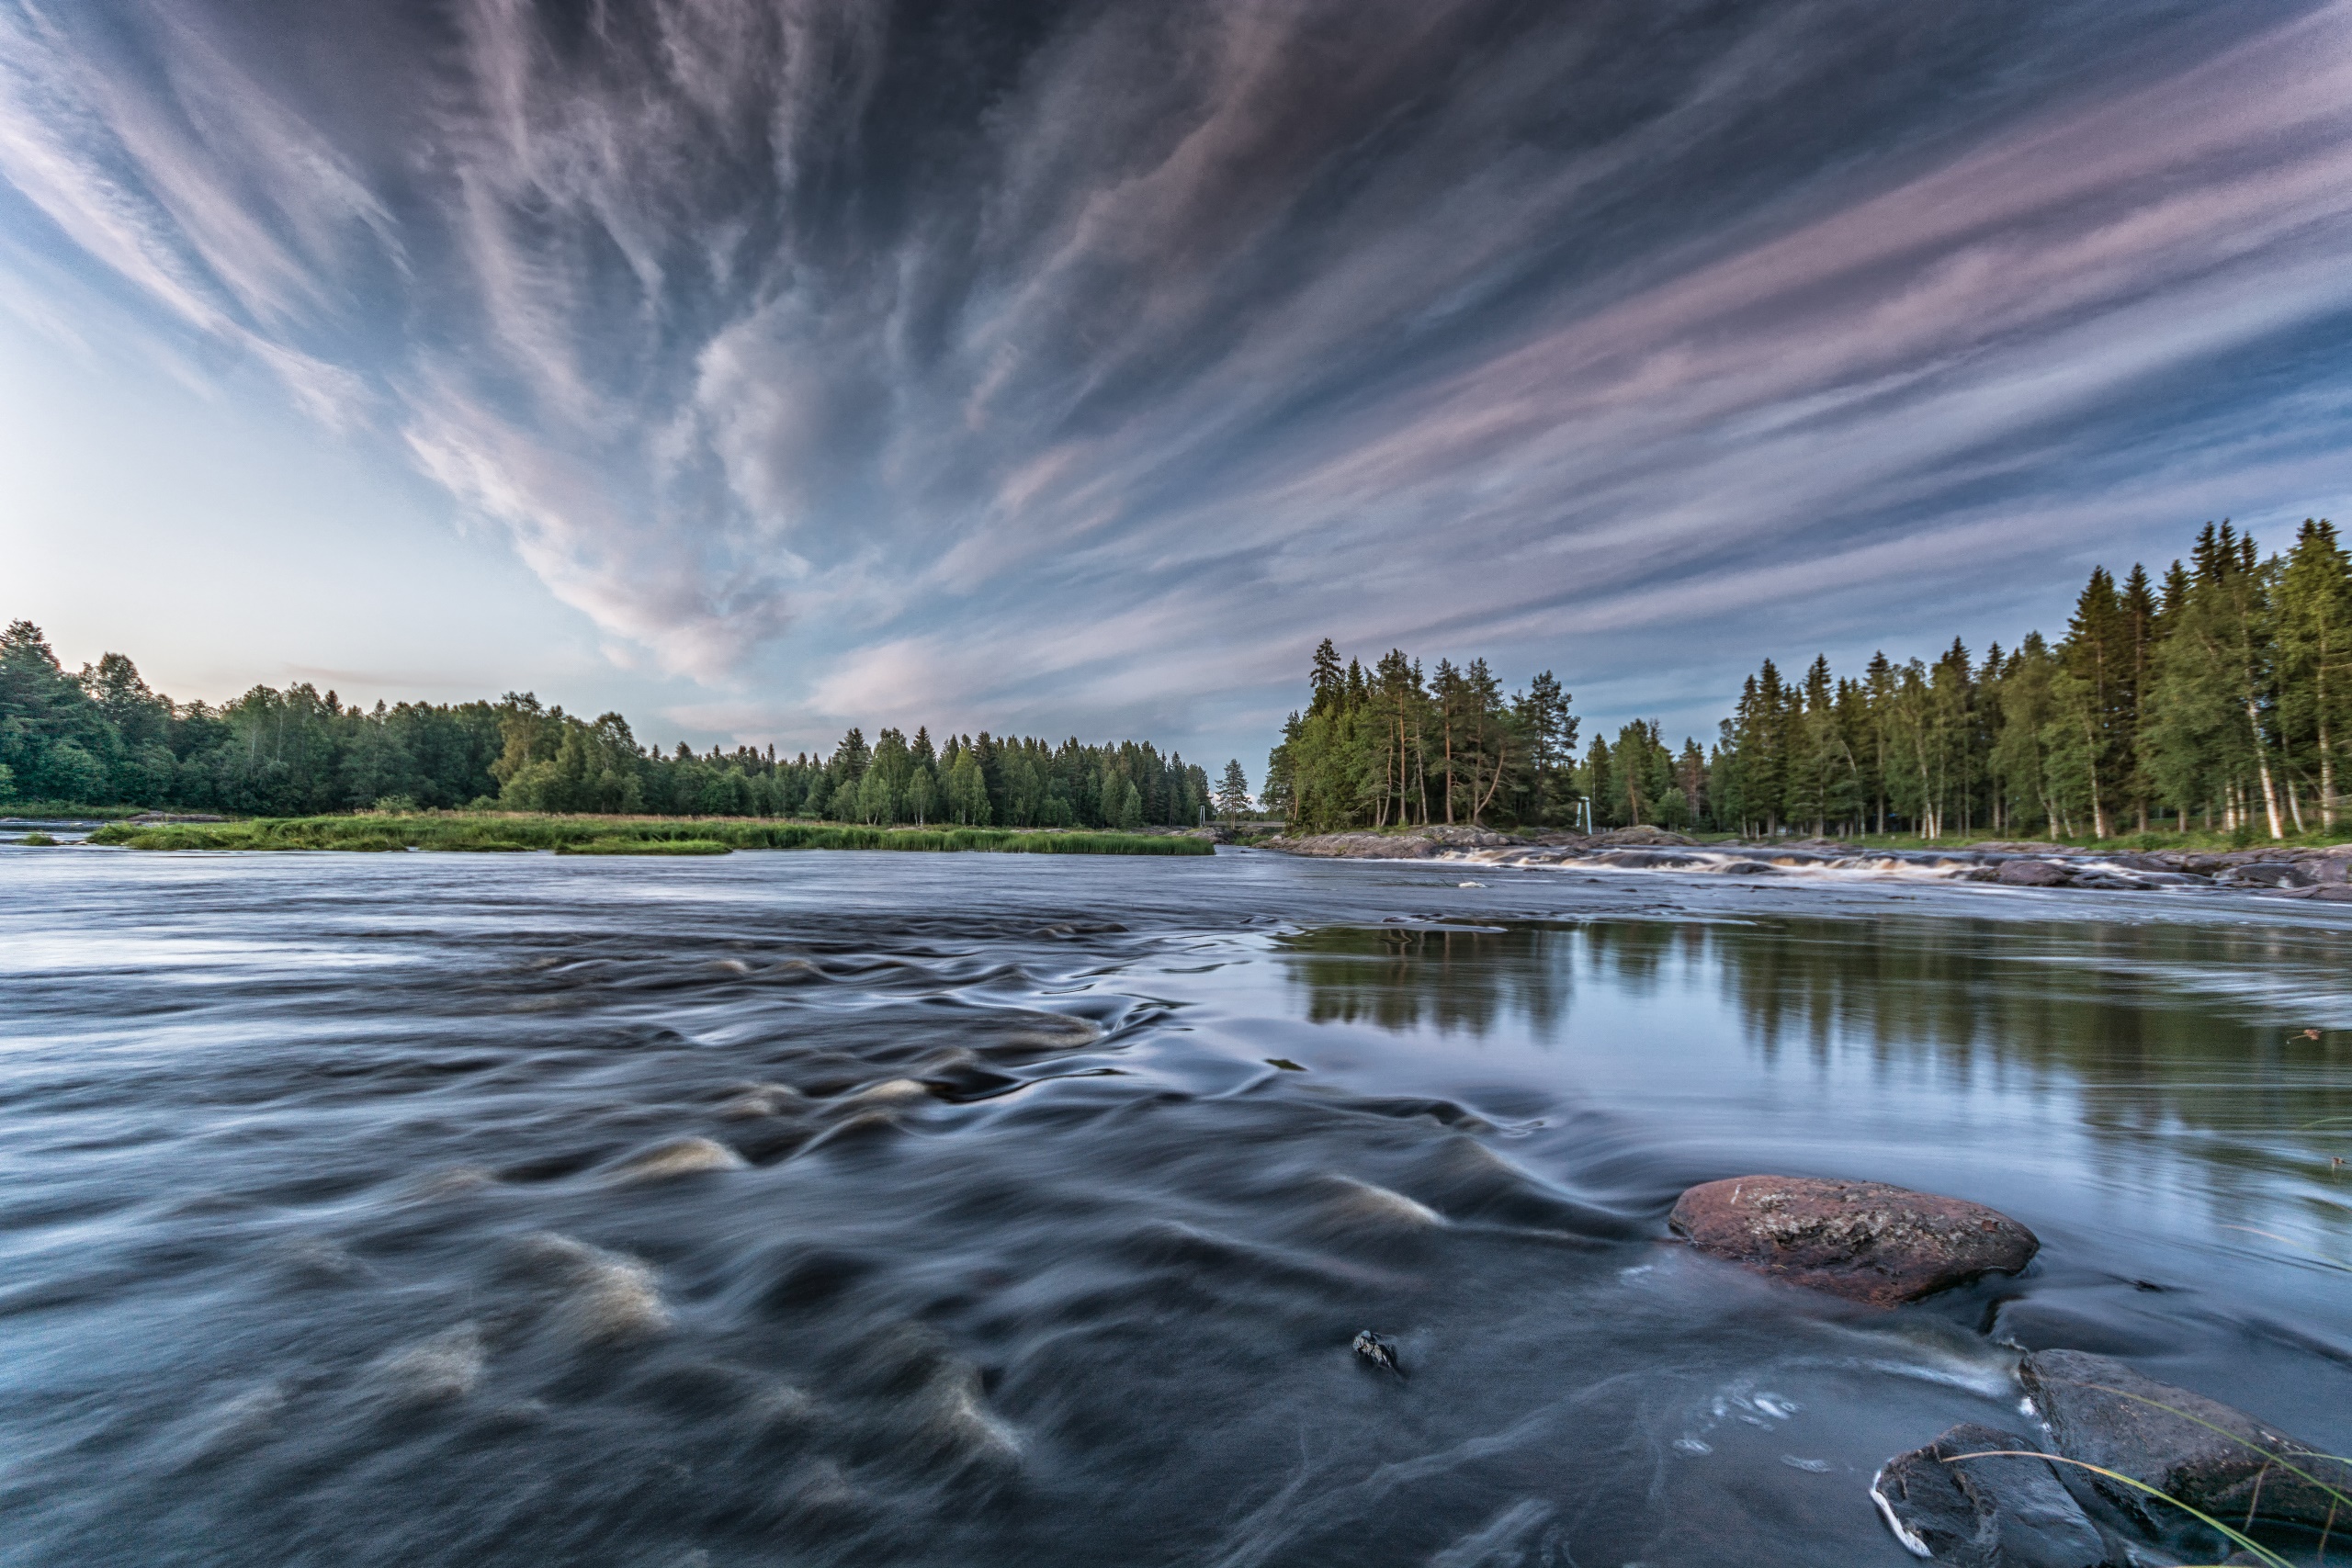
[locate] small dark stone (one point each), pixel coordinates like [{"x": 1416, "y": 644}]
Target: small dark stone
[
  {"x": 2223, "y": 1461},
  {"x": 2033, "y": 874},
  {"x": 1863, "y": 1240},
  {"x": 2005, "y": 1512},
  {"x": 1378, "y": 1351}
]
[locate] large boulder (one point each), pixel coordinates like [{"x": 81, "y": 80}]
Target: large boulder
[
  {"x": 2028, "y": 873},
  {"x": 1863, "y": 1240},
  {"x": 1644, "y": 834},
  {"x": 1355, "y": 846},
  {"x": 2197, "y": 1450},
  {"x": 2267, "y": 874},
  {"x": 2009, "y": 1511},
  {"x": 1418, "y": 843}
]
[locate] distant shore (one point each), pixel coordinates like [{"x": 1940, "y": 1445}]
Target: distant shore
[
  {"x": 492, "y": 832},
  {"x": 2319, "y": 873}
]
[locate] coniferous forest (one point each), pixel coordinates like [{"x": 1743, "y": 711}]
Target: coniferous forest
[
  {"x": 2218, "y": 699},
  {"x": 102, "y": 736}
]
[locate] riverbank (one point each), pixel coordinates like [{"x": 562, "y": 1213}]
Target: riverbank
[
  {"x": 2319, "y": 873},
  {"x": 493, "y": 832}
]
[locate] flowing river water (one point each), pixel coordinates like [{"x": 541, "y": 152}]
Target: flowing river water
[{"x": 976, "y": 1210}]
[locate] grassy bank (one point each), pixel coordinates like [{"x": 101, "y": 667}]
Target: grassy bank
[
  {"x": 66, "y": 811},
  {"x": 607, "y": 835}
]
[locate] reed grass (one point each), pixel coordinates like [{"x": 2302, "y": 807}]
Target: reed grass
[
  {"x": 2268, "y": 1556},
  {"x": 469, "y": 833}
]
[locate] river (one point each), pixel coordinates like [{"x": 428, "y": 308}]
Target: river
[{"x": 976, "y": 1210}]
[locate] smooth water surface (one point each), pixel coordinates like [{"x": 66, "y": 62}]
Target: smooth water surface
[{"x": 991, "y": 1209}]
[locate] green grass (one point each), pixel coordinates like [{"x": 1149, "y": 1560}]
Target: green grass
[
  {"x": 72, "y": 810},
  {"x": 482, "y": 832},
  {"x": 646, "y": 847},
  {"x": 36, "y": 840},
  {"x": 2269, "y": 1558}
]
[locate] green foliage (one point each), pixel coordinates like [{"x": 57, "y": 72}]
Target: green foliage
[
  {"x": 2221, "y": 699},
  {"x": 646, "y": 847},
  {"x": 594, "y": 835},
  {"x": 1391, "y": 747},
  {"x": 102, "y": 736},
  {"x": 1233, "y": 792}
]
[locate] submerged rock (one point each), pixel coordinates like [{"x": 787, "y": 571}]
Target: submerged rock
[
  {"x": 2223, "y": 1461},
  {"x": 1863, "y": 1240},
  {"x": 2010, "y": 1511},
  {"x": 681, "y": 1157},
  {"x": 434, "y": 1370}
]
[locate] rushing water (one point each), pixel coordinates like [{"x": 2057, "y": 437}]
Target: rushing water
[{"x": 983, "y": 1210}]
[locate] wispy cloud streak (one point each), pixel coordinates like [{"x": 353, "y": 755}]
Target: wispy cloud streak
[{"x": 1082, "y": 365}]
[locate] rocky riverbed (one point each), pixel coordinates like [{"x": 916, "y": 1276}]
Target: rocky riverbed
[
  {"x": 2148, "y": 1466},
  {"x": 2322, "y": 875}
]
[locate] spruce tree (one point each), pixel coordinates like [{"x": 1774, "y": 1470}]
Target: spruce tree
[{"x": 2315, "y": 651}]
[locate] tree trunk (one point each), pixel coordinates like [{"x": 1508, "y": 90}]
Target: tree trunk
[
  {"x": 2098, "y": 802},
  {"x": 2262, "y": 767},
  {"x": 2326, "y": 765},
  {"x": 1449, "y": 766},
  {"x": 1502, "y": 758}
]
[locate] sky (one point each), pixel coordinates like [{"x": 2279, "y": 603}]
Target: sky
[{"x": 761, "y": 368}]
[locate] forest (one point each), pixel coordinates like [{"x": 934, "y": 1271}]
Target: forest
[
  {"x": 102, "y": 736},
  {"x": 2218, "y": 699}
]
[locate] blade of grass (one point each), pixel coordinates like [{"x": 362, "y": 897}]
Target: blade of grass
[
  {"x": 2269, "y": 1558},
  {"x": 2287, "y": 1242},
  {"x": 2339, "y": 1497}
]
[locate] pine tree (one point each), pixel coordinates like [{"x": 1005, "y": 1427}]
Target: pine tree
[{"x": 1233, "y": 792}]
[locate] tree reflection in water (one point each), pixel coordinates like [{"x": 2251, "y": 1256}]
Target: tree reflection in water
[{"x": 2194, "y": 1035}]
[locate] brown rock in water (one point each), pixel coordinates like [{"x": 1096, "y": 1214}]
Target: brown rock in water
[
  {"x": 2032, "y": 874},
  {"x": 2223, "y": 1461},
  {"x": 1863, "y": 1240}
]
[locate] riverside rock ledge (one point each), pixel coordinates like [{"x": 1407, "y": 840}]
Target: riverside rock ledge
[{"x": 1863, "y": 1240}]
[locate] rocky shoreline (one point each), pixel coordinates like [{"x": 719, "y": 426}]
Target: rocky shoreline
[
  {"x": 2321, "y": 875},
  {"x": 2109, "y": 1462}
]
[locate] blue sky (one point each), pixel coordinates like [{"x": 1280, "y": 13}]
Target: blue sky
[{"x": 762, "y": 368}]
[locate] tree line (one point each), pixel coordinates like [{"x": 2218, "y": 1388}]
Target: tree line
[
  {"x": 102, "y": 736},
  {"x": 1392, "y": 746},
  {"x": 2219, "y": 698}
]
